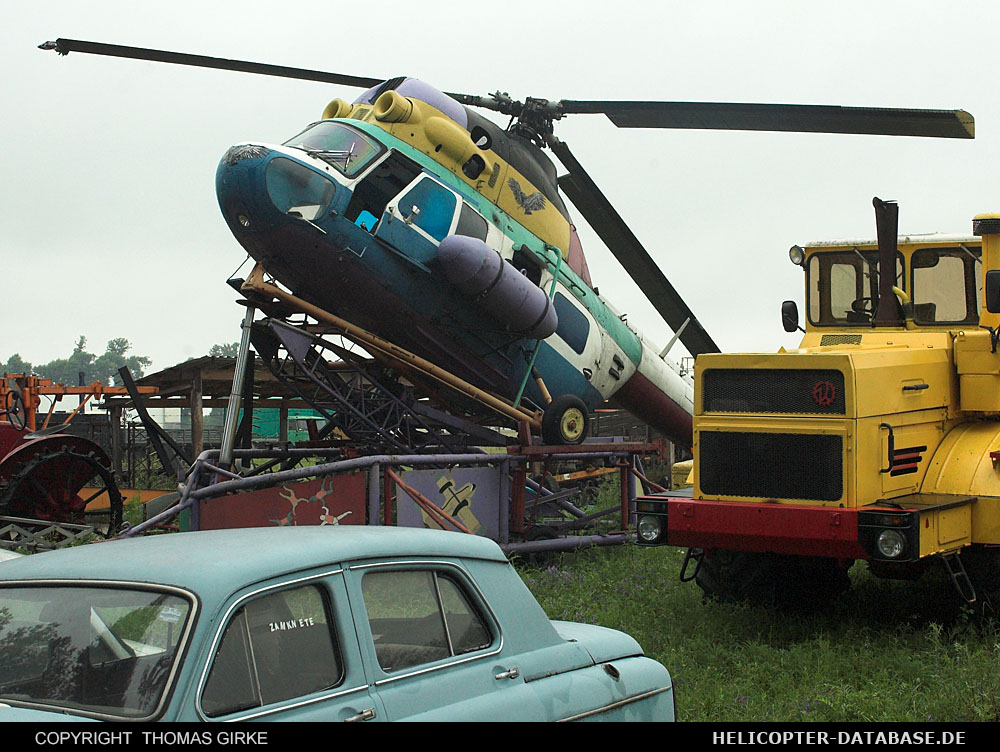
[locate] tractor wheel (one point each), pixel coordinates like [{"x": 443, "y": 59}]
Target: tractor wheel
[
  {"x": 565, "y": 420},
  {"x": 767, "y": 579},
  {"x": 982, "y": 564},
  {"x": 58, "y": 484}
]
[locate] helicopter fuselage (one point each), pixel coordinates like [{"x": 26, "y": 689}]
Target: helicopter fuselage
[{"x": 446, "y": 250}]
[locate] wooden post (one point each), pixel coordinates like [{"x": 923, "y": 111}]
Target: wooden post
[
  {"x": 283, "y": 423},
  {"x": 197, "y": 417},
  {"x": 116, "y": 441}
]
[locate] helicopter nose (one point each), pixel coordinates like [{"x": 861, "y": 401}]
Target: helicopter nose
[
  {"x": 259, "y": 189},
  {"x": 238, "y": 182}
]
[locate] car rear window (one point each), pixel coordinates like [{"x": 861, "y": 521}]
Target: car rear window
[{"x": 420, "y": 616}]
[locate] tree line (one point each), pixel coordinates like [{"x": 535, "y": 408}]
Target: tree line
[{"x": 103, "y": 367}]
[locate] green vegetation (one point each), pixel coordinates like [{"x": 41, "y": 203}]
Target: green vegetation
[
  {"x": 103, "y": 368},
  {"x": 228, "y": 350},
  {"x": 886, "y": 651}
]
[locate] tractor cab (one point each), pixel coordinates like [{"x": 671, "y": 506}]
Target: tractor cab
[{"x": 937, "y": 282}]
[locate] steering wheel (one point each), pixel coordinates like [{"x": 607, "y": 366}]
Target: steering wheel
[
  {"x": 863, "y": 305},
  {"x": 14, "y": 409},
  {"x": 861, "y": 310}
]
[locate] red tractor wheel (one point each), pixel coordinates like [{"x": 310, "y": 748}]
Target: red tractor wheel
[{"x": 56, "y": 478}]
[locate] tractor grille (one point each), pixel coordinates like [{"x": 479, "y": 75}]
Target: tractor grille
[
  {"x": 771, "y": 465},
  {"x": 773, "y": 390}
]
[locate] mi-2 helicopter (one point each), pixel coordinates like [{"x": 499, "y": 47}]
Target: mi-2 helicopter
[{"x": 412, "y": 216}]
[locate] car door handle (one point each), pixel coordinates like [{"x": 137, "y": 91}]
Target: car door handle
[
  {"x": 512, "y": 673},
  {"x": 365, "y": 715}
]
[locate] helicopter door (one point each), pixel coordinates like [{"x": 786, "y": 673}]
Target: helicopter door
[
  {"x": 420, "y": 218},
  {"x": 614, "y": 367}
]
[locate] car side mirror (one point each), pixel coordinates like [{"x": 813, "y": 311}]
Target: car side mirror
[
  {"x": 790, "y": 316},
  {"x": 993, "y": 291}
]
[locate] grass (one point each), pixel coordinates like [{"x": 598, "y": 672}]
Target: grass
[{"x": 886, "y": 651}]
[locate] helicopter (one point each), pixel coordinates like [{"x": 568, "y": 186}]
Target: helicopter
[{"x": 414, "y": 217}]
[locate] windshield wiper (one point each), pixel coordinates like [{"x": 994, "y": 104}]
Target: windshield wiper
[{"x": 331, "y": 155}]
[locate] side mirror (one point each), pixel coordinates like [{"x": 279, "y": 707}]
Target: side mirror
[
  {"x": 993, "y": 291},
  {"x": 790, "y": 316}
]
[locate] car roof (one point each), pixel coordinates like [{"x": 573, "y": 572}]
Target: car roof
[{"x": 229, "y": 559}]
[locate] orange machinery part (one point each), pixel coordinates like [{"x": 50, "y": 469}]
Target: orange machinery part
[{"x": 33, "y": 388}]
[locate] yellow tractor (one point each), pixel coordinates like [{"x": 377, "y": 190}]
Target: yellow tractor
[{"x": 877, "y": 439}]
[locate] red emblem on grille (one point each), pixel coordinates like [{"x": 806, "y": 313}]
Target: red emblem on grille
[{"x": 824, "y": 393}]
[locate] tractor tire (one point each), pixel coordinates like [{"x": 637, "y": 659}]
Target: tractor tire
[
  {"x": 47, "y": 483},
  {"x": 766, "y": 579},
  {"x": 565, "y": 421},
  {"x": 982, "y": 564}
]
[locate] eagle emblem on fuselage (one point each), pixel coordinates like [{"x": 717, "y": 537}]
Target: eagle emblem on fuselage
[{"x": 529, "y": 203}]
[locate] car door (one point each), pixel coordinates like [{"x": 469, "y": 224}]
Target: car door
[
  {"x": 288, "y": 651},
  {"x": 433, "y": 646}
]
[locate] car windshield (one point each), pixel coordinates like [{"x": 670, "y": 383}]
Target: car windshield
[
  {"x": 347, "y": 149},
  {"x": 104, "y": 651}
]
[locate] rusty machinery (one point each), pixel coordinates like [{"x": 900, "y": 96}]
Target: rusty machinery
[{"x": 46, "y": 473}]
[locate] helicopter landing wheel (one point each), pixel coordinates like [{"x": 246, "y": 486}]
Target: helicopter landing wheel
[
  {"x": 565, "y": 420},
  {"x": 59, "y": 485}
]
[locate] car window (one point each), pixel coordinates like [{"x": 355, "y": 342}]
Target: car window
[
  {"x": 274, "y": 648},
  {"x": 106, "y": 651},
  {"x": 419, "y": 616}
]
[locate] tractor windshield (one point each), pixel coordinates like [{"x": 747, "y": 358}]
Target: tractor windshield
[
  {"x": 344, "y": 147},
  {"x": 100, "y": 651},
  {"x": 842, "y": 287}
]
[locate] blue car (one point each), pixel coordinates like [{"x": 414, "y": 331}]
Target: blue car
[{"x": 304, "y": 624}]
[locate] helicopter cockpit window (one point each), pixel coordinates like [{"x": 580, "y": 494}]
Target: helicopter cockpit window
[
  {"x": 343, "y": 147},
  {"x": 946, "y": 285},
  {"x": 842, "y": 287},
  {"x": 296, "y": 189},
  {"x": 471, "y": 224}
]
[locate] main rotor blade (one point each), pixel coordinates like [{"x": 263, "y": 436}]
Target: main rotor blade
[
  {"x": 66, "y": 46},
  {"x": 780, "y": 117},
  {"x": 608, "y": 224}
]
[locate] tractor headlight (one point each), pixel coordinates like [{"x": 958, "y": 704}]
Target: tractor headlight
[
  {"x": 649, "y": 528},
  {"x": 797, "y": 255},
  {"x": 891, "y": 544}
]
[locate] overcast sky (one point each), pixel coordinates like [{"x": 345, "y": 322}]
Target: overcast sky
[{"x": 109, "y": 224}]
